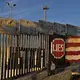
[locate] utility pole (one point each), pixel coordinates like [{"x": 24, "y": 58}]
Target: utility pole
[
  {"x": 10, "y": 6},
  {"x": 45, "y": 8}
]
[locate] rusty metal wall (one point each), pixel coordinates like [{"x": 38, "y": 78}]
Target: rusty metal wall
[{"x": 22, "y": 54}]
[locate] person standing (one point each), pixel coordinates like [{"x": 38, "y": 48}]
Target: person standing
[{"x": 52, "y": 68}]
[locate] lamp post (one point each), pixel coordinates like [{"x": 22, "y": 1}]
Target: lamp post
[
  {"x": 11, "y": 6},
  {"x": 45, "y": 8}
]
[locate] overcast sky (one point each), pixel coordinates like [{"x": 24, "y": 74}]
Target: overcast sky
[{"x": 62, "y": 11}]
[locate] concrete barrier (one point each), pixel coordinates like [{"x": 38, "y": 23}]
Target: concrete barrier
[
  {"x": 24, "y": 78},
  {"x": 43, "y": 75},
  {"x": 35, "y": 76},
  {"x": 65, "y": 75}
]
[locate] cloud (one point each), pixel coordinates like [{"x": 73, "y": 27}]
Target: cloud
[
  {"x": 15, "y": 12},
  {"x": 28, "y": 10},
  {"x": 13, "y": 1},
  {"x": 21, "y": 12},
  {"x": 5, "y": 13}
]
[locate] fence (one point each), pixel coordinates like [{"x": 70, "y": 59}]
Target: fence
[{"x": 22, "y": 54}]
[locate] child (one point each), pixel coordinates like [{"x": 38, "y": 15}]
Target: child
[{"x": 52, "y": 68}]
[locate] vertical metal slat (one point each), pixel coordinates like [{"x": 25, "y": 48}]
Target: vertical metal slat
[{"x": 2, "y": 55}]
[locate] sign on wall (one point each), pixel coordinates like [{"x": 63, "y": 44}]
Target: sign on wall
[
  {"x": 57, "y": 48},
  {"x": 72, "y": 49}
]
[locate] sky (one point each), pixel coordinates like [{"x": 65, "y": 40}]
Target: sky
[{"x": 62, "y": 11}]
